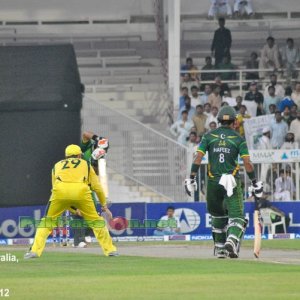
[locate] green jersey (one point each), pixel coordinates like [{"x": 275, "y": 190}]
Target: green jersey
[
  {"x": 87, "y": 150},
  {"x": 223, "y": 145}
]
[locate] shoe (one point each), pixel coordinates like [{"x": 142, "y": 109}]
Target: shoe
[
  {"x": 114, "y": 253},
  {"x": 88, "y": 239},
  {"x": 82, "y": 245},
  {"x": 30, "y": 254},
  {"x": 231, "y": 249},
  {"x": 221, "y": 253}
]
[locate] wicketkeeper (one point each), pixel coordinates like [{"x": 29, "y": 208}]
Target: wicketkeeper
[
  {"x": 73, "y": 180},
  {"x": 224, "y": 192},
  {"x": 93, "y": 148}
]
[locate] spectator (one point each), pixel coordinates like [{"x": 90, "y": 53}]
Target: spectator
[
  {"x": 184, "y": 93},
  {"x": 286, "y": 116},
  {"x": 270, "y": 99},
  {"x": 212, "y": 117},
  {"x": 252, "y": 63},
  {"x": 223, "y": 86},
  {"x": 199, "y": 120},
  {"x": 291, "y": 58},
  {"x": 181, "y": 128},
  {"x": 255, "y": 95},
  {"x": 221, "y": 42},
  {"x": 293, "y": 113},
  {"x": 264, "y": 143},
  {"x": 296, "y": 94},
  {"x": 227, "y": 65},
  {"x": 272, "y": 109},
  {"x": 287, "y": 101},
  {"x": 242, "y": 7},
  {"x": 224, "y": 103},
  {"x": 187, "y": 106},
  {"x": 208, "y": 67},
  {"x": 212, "y": 125},
  {"x": 270, "y": 56},
  {"x": 279, "y": 90},
  {"x": 189, "y": 66},
  {"x": 215, "y": 99},
  {"x": 284, "y": 187},
  {"x": 207, "y": 109},
  {"x": 289, "y": 142},
  {"x": 279, "y": 129},
  {"x": 186, "y": 81},
  {"x": 239, "y": 101},
  {"x": 295, "y": 127},
  {"x": 168, "y": 224},
  {"x": 240, "y": 120},
  {"x": 219, "y": 8},
  {"x": 193, "y": 141},
  {"x": 207, "y": 92},
  {"x": 195, "y": 98}
]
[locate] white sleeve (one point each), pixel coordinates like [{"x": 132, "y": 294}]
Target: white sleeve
[{"x": 174, "y": 130}]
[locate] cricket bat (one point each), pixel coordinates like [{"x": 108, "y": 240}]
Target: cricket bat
[
  {"x": 103, "y": 175},
  {"x": 257, "y": 230},
  {"x": 103, "y": 180}
]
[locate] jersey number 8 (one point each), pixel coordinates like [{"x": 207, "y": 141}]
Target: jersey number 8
[{"x": 221, "y": 158}]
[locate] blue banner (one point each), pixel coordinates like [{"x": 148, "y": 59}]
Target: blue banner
[{"x": 142, "y": 218}]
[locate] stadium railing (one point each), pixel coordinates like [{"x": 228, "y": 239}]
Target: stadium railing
[
  {"x": 139, "y": 152},
  {"x": 240, "y": 80}
]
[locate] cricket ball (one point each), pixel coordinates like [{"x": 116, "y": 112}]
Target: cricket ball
[{"x": 118, "y": 223}]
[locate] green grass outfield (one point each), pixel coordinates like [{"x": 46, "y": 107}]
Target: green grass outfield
[{"x": 89, "y": 276}]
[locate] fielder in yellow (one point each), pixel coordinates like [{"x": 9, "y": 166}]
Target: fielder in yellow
[{"x": 73, "y": 181}]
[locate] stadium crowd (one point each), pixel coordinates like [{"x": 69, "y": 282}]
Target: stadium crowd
[
  {"x": 202, "y": 93},
  {"x": 271, "y": 89}
]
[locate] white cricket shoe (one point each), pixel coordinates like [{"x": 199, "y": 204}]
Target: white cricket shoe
[
  {"x": 82, "y": 245},
  {"x": 231, "y": 248},
  {"x": 30, "y": 254},
  {"x": 88, "y": 239}
]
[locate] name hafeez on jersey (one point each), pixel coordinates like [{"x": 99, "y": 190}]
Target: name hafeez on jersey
[{"x": 223, "y": 145}]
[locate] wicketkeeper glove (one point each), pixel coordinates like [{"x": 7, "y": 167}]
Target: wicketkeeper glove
[
  {"x": 98, "y": 153},
  {"x": 257, "y": 188},
  {"x": 190, "y": 185}
]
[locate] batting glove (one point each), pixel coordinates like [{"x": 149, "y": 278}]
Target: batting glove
[
  {"x": 103, "y": 144},
  {"x": 190, "y": 185},
  {"x": 98, "y": 153},
  {"x": 257, "y": 188}
]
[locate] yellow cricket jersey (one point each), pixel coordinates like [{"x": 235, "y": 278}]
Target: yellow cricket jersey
[{"x": 76, "y": 171}]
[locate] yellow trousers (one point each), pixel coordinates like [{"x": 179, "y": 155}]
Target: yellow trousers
[{"x": 59, "y": 202}]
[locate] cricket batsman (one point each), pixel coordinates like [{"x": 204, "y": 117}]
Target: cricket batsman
[
  {"x": 224, "y": 192},
  {"x": 73, "y": 180}
]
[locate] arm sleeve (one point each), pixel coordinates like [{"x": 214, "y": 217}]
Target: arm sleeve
[
  {"x": 213, "y": 45},
  {"x": 203, "y": 145},
  {"x": 229, "y": 39},
  {"x": 85, "y": 146},
  {"x": 243, "y": 149},
  {"x": 96, "y": 187},
  {"x": 264, "y": 56},
  {"x": 173, "y": 129}
]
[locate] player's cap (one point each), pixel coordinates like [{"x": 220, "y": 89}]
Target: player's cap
[
  {"x": 227, "y": 113},
  {"x": 253, "y": 83},
  {"x": 72, "y": 150},
  {"x": 266, "y": 129}
]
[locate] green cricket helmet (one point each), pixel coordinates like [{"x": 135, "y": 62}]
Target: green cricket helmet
[{"x": 227, "y": 113}]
